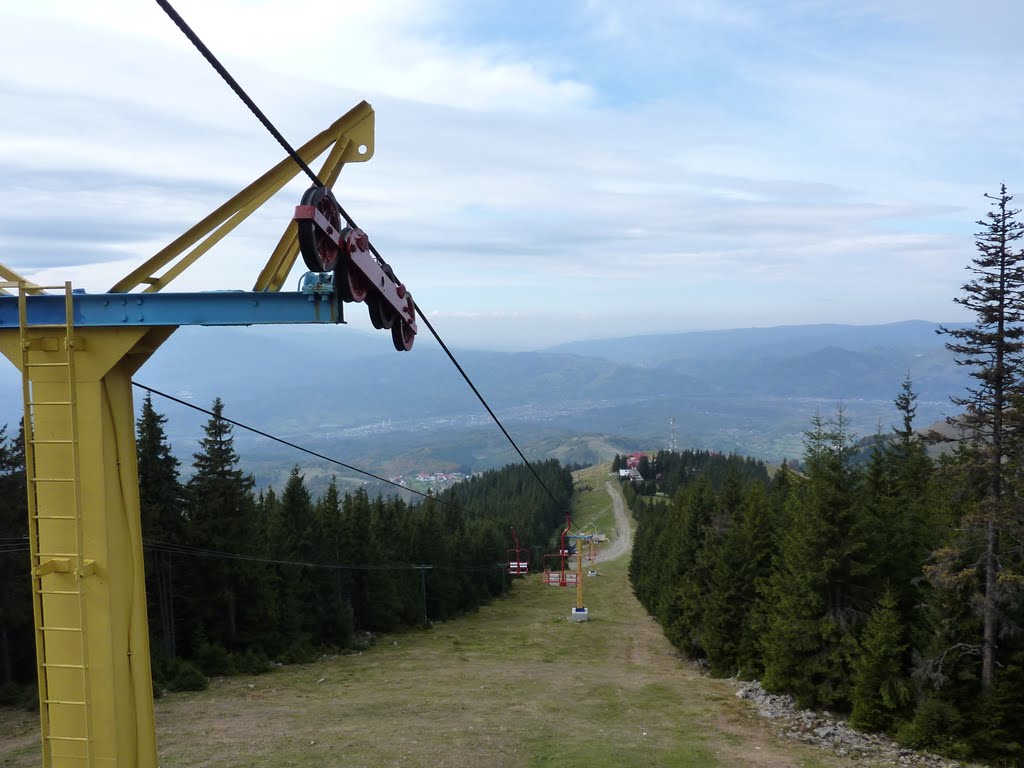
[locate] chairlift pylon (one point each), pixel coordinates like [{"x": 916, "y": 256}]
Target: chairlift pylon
[{"x": 559, "y": 577}]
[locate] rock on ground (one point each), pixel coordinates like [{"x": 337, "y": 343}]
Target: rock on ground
[{"x": 823, "y": 730}]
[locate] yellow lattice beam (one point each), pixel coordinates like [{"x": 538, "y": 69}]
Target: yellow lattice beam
[{"x": 351, "y": 137}]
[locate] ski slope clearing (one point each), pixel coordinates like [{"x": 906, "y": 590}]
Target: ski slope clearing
[{"x": 515, "y": 684}]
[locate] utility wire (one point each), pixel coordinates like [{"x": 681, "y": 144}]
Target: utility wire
[
  {"x": 208, "y": 55},
  {"x": 222, "y": 71},
  {"x": 184, "y": 549},
  {"x": 480, "y": 397},
  {"x": 297, "y": 447},
  {"x": 240, "y": 92},
  {"x": 318, "y": 455}
]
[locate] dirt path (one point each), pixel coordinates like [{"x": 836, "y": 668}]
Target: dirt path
[{"x": 622, "y": 543}]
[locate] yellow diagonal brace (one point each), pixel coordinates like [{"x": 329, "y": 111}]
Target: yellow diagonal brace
[
  {"x": 354, "y": 131},
  {"x": 276, "y": 271},
  {"x": 12, "y": 278}
]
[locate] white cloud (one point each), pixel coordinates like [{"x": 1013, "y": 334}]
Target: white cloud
[{"x": 503, "y": 190}]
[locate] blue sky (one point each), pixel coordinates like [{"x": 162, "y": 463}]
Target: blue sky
[{"x": 544, "y": 171}]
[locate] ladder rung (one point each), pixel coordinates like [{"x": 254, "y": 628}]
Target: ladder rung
[
  {"x": 56, "y": 554},
  {"x": 67, "y": 738},
  {"x": 65, "y": 701},
  {"x": 34, "y": 403},
  {"x": 54, "y": 517},
  {"x": 47, "y": 365},
  {"x": 63, "y": 666},
  {"x": 57, "y": 592},
  {"x": 46, "y": 325},
  {"x": 52, "y": 442},
  {"x": 53, "y": 479},
  {"x": 61, "y": 629}
]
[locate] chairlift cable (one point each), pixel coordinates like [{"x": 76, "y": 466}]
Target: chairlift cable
[
  {"x": 240, "y": 92},
  {"x": 296, "y": 446}
]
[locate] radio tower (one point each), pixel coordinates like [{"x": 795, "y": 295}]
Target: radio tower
[{"x": 672, "y": 447}]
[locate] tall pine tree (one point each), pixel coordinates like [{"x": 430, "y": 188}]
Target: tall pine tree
[
  {"x": 221, "y": 517},
  {"x": 991, "y": 348},
  {"x": 811, "y": 637},
  {"x": 16, "y": 622},
  {"x": 162, "y": 508}
]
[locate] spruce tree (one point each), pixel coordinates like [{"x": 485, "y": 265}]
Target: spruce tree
[
  {"x": 811, "y": 637},
  {"x": 16, "y": 622},
  {"x": 991, "y": 348},
  {"x": 688, "y": 573},
  {"x": 742, "y": 563},
  {"x": 881, "y": 688},
  {"x": 162, "y": 509},
  {"x": 221, "y": 517},
  {"x": 295, "y": 542},
  {"x": 337, "y": 610}
]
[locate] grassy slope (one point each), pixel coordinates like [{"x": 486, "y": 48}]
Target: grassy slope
[{"x": 515, "y": 684}]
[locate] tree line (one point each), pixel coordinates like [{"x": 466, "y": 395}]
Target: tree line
[
  {"x": 878, "y": 581},
  {"x": 237, "y": 577}
]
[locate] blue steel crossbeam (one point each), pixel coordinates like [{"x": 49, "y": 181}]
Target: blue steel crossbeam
[{"x": 166, "y": 309}]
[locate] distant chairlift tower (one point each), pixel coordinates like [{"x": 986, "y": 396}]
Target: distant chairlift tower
[{"x": 555, "y": 574}]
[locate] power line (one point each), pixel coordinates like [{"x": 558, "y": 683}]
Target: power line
[
  {"x": 297, "y": 447},
  {"x": 480, "y": 397},
  {"x": 240, "y": 92},
  {"x": 184, "y": 549},
  {"x": 317, "y": 454},
  {"x": 222, "y": 71}
]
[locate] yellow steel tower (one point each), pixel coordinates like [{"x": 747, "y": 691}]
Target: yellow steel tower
[{"x": 77, "y": 354}]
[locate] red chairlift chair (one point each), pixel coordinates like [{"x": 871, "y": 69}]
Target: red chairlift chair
[{"x": 518, "y": 558}]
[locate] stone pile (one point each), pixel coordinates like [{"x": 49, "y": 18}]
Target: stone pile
[{"x": 822, "y": 729}]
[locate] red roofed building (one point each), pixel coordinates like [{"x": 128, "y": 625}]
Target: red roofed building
[{"x": 633, "y": 460}]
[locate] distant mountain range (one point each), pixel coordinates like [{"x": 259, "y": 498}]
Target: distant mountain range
[{"x": 347, "y": 393}]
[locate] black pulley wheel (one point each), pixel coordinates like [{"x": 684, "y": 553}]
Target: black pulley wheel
[
  {"x": 351, "y": 282},
  {"x": 382, "y": 314},
  {"x": 402, "y": 335},
  {"x": 319, "y": 251}
]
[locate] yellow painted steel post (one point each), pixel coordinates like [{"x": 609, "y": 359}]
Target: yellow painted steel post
[
  {"x": 120, "y": 699},
  {"x": 86, "y": 537},
  {"x": 579, "y": 577}
]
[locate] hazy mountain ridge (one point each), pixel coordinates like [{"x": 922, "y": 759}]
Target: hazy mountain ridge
[
  {"x": 775, "y": 341},
  {"x": 348, "y": 394}
]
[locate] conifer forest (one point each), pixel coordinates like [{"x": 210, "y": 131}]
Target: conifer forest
[
  {"x": 875, "y": 581},
  {"x": 236, "y": 579}
]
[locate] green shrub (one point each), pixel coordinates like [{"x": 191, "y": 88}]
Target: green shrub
[
  {"x": 251, "y": 662},
  {"x": 937, "y": 726},
  {"x": 213, "y": 660},
  {"x": 10, "y": 692},
  {"x": 301, "y": 652},
  {"x": 185, "y": 676}
]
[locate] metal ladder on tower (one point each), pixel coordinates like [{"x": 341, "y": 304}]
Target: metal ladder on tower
[{"x": 56, "y": 537}]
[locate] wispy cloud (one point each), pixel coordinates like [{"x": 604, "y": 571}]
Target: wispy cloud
[{"x": 678, "y": 165}]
